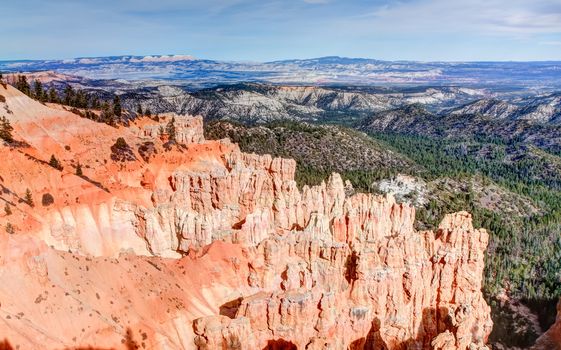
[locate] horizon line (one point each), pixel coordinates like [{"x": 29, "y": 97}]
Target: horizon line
[{"x": 195, "y": 58}]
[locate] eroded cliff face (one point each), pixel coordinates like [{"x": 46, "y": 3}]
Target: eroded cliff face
[
  {"x": 401, "y": 289},
  {"x": 551, "y": 340},
  {"x": 226, "y": 249}
]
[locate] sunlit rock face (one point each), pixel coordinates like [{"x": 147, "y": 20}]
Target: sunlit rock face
[
  {"x": 400, "y": 289},
  {"x": 195, "y": 244}
]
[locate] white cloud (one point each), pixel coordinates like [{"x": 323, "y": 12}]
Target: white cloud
[{"x": 477, "y": 16}]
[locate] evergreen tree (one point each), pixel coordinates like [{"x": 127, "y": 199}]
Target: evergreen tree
[
  {"x": 121, "y": 144},
  {"x": 139, "y": 110},
  {"x": 6, "y": 130},
  {"x": 8, "y": 209},
  {"x": 52, "y": 95},
  {"x": 55, "y": 163},
  {"x": 22, "y": 85},
  {"x": 80, "y": 99},
  {"x": 38, "y": 92},
  {"x": 107, "y": 115},
  {"x": 68, "y": 95},
  {"x": 10, "y": 229},
  {"x": 79, "y": 170},
  {"x": 95, "y": 103},
  {"x": 148, "y": 112},
  {"x": 170, "y": 129},
  {"x": 29, "y": 198},
  {"x": 117, "y": 109}
]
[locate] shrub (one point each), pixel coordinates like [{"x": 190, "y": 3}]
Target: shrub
[
  {"x": 8, "y": 209},
  {"x": 121, "y": 151},
  {"x": 47, "y": 199},
  {"x": 146, "y": 150},
  {"x": 10, "y": 229},
  {"x": 121, "y": 144},
  {"x": 55, "y": 163}
]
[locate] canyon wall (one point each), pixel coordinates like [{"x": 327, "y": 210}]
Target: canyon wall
[
  {"x": 199, "y": 245},
  {"x": 551, "y": 340}
]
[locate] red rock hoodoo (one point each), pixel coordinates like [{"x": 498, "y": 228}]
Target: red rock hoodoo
[{"x": 202, "y": 246}]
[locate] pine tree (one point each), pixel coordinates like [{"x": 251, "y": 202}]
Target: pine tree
[
  {"x": 117, "y": 109},
  {"x": 6, "y": 130},
  {"x": 107, "y": 115},
  {"x": 8, "y": 209},
  {"x": 148, "y": 112},
  {"x": 170, "y": 129},
  {"x": 95, "y": 103},
  {"x": 80, "y": 99},
  {"x": 22, "y": 85},
  {"x": 55, "y": 163},
  {"x": 79, "y": 170},
  {"x": 29, "y": 198},
  {"x": 68, "y": 95},
  {"x": 139, "y": 110},
  {"x": 38, "y": 92},
  {"x": 121, "y": 144},
  {"x": 52, "y": 95}
]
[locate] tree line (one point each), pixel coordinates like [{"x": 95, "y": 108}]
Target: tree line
[{"x": 83, "y": 103}]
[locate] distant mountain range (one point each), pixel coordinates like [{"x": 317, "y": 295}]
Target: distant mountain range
[{"x": 194, "y": 73}]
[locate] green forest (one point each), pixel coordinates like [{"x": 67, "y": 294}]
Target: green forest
[{"x": 525, "y": 252}]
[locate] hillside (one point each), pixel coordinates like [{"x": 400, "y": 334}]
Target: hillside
[
  {"x": 252, "y": 103},
  {"x": 318, "y": 150},
  {"x": 540, "y": 109},
  {"x": 259, "y": 103},
  {"x": 542, "y": 132},
  {"x": 166, "y": 240}
]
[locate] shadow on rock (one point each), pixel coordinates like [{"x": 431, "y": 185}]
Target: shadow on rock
[
  {"x": 128, "y": 342},
  {"x": 280, "y": 344},
  {"x": 230, "y": 308},
  {"x": 433, "y": 323}
]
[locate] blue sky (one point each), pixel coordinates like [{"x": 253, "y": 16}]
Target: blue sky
[{"x": 263, "y": 30}]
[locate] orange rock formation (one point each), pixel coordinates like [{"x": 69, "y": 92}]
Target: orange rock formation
[
  {"x": 551, "y": 340},
  {"x": 201, "y": 245}
]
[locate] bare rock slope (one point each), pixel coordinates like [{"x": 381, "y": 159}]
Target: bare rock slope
[{"x": 198, "y": 245}]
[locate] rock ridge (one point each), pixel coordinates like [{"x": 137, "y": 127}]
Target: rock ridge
[{"x": 268, "y": 265}]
